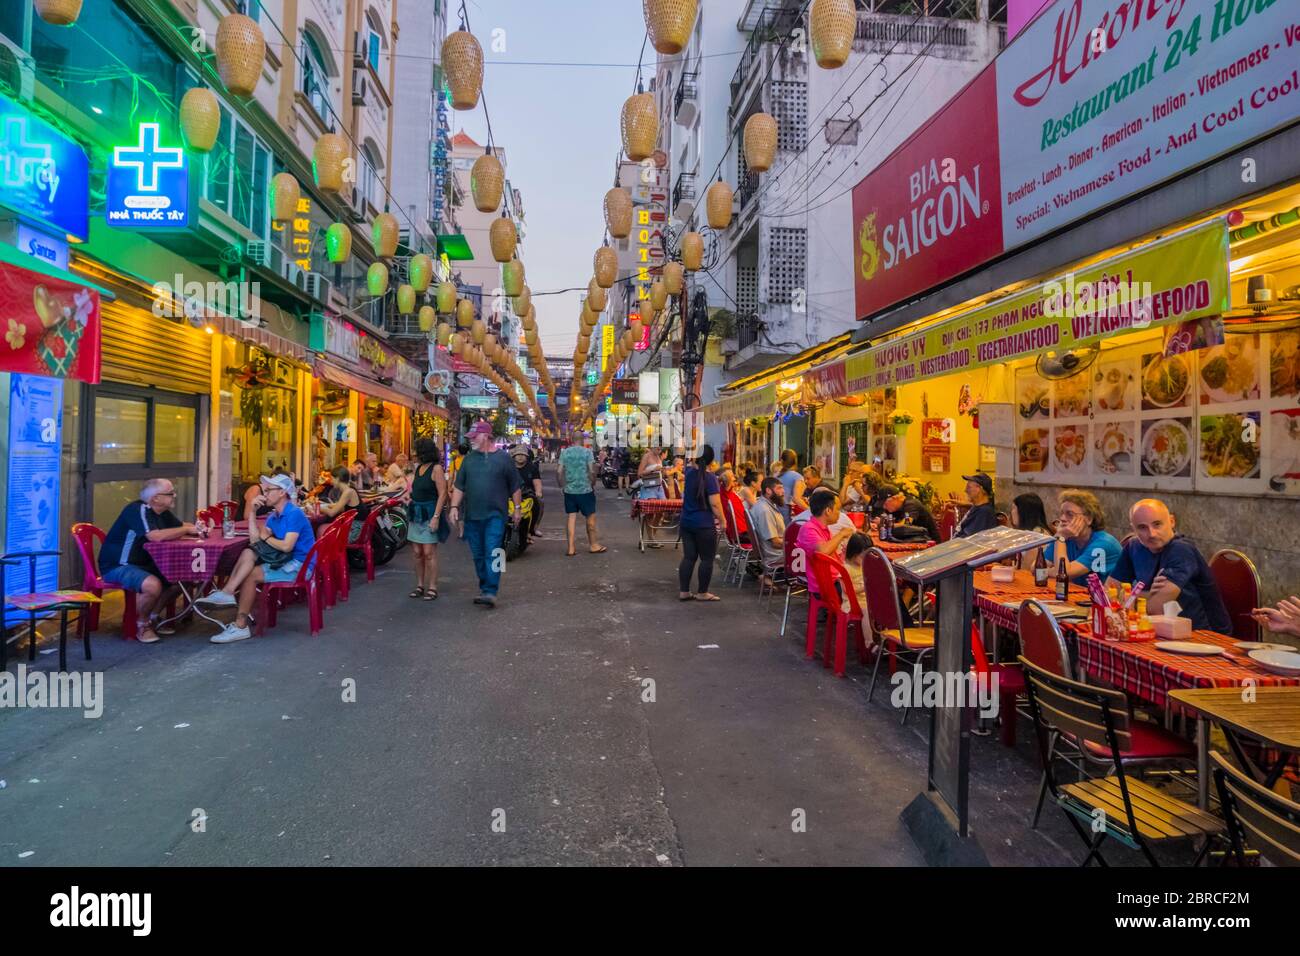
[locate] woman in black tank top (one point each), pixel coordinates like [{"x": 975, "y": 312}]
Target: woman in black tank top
[{"x": 428, "y": 526}]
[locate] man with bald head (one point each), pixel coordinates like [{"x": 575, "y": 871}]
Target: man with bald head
[{"x": 1171, "y": 568}]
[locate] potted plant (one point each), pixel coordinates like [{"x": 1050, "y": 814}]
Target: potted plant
[{"x": 900, "y": 420}]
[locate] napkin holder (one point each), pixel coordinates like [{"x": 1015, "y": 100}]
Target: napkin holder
[
  {"x": 1170, "y": 627},
  {"x": 1002, "y": 574}
]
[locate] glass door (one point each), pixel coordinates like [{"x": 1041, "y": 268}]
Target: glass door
[{"x": 131, "y": 436}]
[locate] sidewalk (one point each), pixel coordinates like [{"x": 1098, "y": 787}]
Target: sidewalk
[{"x": 516, "y": 735}]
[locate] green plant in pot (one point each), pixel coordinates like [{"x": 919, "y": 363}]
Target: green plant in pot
[{"x": 900, "y": 419}]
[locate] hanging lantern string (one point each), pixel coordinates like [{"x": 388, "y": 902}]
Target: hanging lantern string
[{"x": 487, "y": 117}]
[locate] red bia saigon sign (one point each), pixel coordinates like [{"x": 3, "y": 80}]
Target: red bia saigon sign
[{"x": 1095, "y": 101}]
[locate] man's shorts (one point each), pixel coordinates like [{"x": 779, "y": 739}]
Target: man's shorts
[
  {"x": 129, "y": 576},
  {"x": 285, "y": 574},
  {"x": 586, "y": 504}
]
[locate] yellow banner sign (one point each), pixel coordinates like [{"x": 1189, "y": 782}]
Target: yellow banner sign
[
  {"x": 606, "y": 344},
  {"x": 761, "y": 401},
  {"x": 1179, "y": 279}
]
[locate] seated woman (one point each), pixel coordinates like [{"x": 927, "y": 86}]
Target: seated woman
[
  {"x": 347, "y": 498},
  {"x": 1028, "y": 514}
]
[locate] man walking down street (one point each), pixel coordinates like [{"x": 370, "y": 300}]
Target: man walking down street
[
  {"x": 576, "y": 473},
  {"x": 486, "y": 480}
]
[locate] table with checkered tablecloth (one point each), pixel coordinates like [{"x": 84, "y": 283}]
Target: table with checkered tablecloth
[
  {"x": 196, "y": 559},
  {"x": 655, "y": 513}
]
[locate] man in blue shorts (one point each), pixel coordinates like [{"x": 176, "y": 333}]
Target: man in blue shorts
[{"x": 576, "y": 473}]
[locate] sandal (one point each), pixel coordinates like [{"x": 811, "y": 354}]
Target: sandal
[
  {"x": 142, "y": 639},
  {"x": 601, "y": 550},
  {"x": 686, "y": 597},
  {"x": 707, "y": 597},
  {"x": 431, "y": 594},
  {"x": 418, "y": 592}
]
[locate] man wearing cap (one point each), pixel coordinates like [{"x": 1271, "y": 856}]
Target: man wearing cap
[
  {"x": 981, "y": 517},
  {"x": 486, "y": 480},
  {"x": 908, "y": 510},
  {"x": 287, "y": 530}
]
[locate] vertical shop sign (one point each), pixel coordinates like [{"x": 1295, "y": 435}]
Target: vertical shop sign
[{"x": 32, "y": 502}]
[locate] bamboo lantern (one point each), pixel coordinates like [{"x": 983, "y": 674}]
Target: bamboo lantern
[
  {"x": 637, "y": 328},
  {"x": 420, "y": 272},
  {"x": 446, "y": 297},
  {"x": 338, "y": 242},
  {"x": 486, "y": 179},
  {"x": 584, "y": 343},
  {"x": 833, "y": 23},
  {"x": 285, "y": 194},
  {"x": 618, "y": 213},
  {"x": 674, "y": 277},
  {"x": 530, "y": 337},
  {"x": 597, "y": 298},
  {"x": 465, "y": 314},
  {"x": 587, "y": 320},
  {"x": 658, "y": 295},
  {"x": 626, "y": 342},
  {"x": 406, "y": 299},
  {"x": 529, "y": 319},
  {"x": 444, "y": 331},
  {"x": 523, "y": 301},
  {"x": 200, "y": 118},
  {"x": 61, "y": 13},
  {"x": 512, "y": 277},
  {"x": 669, "y": 23},
  {"x": 640, "y": 126},
  {"x": 427, "y": 318},
  {"x": 241, "y": 51},
  {"x": 692, "y": 251},
  {"x": 478, "y": 332},
  {"x": 606, "y": 263},
  {"x": 718, "y": 203},
  {"x": 383, "y": 235},
  {"x": 455, "y": 343},
  {"x": 760, "y": 142},
  {"x": 462, "y": 61},
  {"x": 377, "y": 278},
  {"x": 329, "y": 158},
  {"x": 503, "y": 238}
]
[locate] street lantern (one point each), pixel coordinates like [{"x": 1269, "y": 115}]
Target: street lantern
[
  {"x": 618, "y": 212},
  {"x": 760, "y": 142},
  {"x": 61, "y": 13},
  {"x": 200, "y": 117},
  {"x": 241, "y": 51},
  {"x": 377, "y": 279},
  {"x": 420, "y": 272},
  {"x": 405, "y": 299},
  {"x": 462, "y": 62},
  {"x": 446, "y": 297},
  {"x": 606, "y": 264},
  {"x": 338, "y": 242},
  {"x": 639, "y": 126},
  {"x": 597, "y": 298},
  {"x": 718, "y": 204},
  {"x": 523, "y": 301},
  {"x": 383, "y": 235},
  {"x": 285, "y": 194},
  {"x": 512, "y": 277},
  {"x": 833, "y": 23},
  {"x": 658, "y": 295},
  {"x": 669, "y": 23},
  {"x": 486, "y": 180},
  {"x": 692, "y": 251},
  {"x": 328, "y": 160},
  {"x": 465, "y": 314},
  {"x": 674, "y": 277},
  {"x": 503, "y": 237}
]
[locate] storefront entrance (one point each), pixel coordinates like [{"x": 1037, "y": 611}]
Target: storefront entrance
[{"x": 131, "y": 435}]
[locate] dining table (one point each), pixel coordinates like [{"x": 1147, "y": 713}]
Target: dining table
[
  {"x": 1260, "y": 724},
  {"x": 654, "y": 513},
  {"x": 192, "y": 562}
]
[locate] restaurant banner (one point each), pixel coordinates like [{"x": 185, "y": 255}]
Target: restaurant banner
[
  {"x": 1176, "y": 280},
  {"x": 51, "y": 327},
  {"x": 826, "y": 381},
  {"x": 1093, "y": 102},
  {"x": 735, "y": 408}
]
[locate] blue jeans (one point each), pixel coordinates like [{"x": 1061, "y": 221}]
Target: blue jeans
[{"x": 484, "y": 540}]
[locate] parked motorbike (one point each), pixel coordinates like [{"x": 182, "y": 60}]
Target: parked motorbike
[
  {"x": 609, "y": 474},
  {"x": 390, "y": 534}
]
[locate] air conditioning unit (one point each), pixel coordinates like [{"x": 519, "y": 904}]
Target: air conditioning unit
[
  {"x": 17, "y": 70},
  {"x": 318, "y": 287},
  {"x": 360, "y": 48},
  {"x": 265, "y": 254},
  {"x": 360, "y": 88},
  {"x": 296, "y": 275}
]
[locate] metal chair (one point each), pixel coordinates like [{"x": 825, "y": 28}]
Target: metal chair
[
  {"x": 1257, "y": 819},
  {"x": 738, "y": 551},
  {"x": 885, "y": 618},
  {"x": 1131, "y": 812},
  {"x": 1238, "y": 583},
  {"x": 796, "y": 580}
]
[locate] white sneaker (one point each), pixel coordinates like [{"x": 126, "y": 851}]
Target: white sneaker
[
  {"x": 218, "y": 599},
  {"x": 231, "y": 634}
]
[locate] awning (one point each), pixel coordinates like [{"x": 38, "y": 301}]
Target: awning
[
  {"x": 277, "y": 345},
  {"x": 755, "y": 404},
  {"x": 339, "y": 376}
]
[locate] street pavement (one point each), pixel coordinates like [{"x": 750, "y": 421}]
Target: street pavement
[{"x": 591, "y": 718}]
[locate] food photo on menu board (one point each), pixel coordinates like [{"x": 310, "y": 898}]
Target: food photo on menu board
[
  {"x": 1230, "y": 372},
  {"x": 1167, "y": 448},
  {"x": 1230, "y": 445},
  {"x": 1165, "y": 380},
  {"x": 1284, "y": 364},
  {"x": 1115, "y": 386},
  {"x": 1114, "y": 447}
]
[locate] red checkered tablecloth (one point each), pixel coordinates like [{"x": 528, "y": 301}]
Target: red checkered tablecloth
[
  {"x": 899, "y": 547},
  {"x": 1140, "y": 668},
  {"x": 656, "y": 506},
  {"x": 195, "y": 559}
]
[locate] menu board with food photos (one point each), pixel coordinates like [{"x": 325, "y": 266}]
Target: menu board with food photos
[{"x": 1222, "y": 419}]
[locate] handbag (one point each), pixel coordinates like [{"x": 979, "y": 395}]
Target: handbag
[{"x": 270, "y": 556}]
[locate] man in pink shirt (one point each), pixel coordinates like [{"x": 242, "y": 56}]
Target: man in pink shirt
[{"x": 816, "y": 534}]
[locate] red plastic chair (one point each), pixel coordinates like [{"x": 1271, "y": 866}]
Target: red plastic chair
[
  {"x": 87, "y": 536},
  {"x": 947, "y": 522},
  {"x": 796, "y": 582},
  {"x": 1238, "y": 583},
  {"x": 827, "y": 571},
  {"x": 342, "y": 528},
  {"x": 307, "y": 585},
  {"x": 365, "y": 541},
  {"x": 1011, "y": 684}
]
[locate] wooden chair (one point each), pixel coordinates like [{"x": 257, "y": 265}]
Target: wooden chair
[
  {"x": 828, "y": 571},
  {"x": 1238, "y": 583},
  {"x": 1257, "y": 818},
  {"x": 1130, "y": 811},
  {"x": 885, "y": 619}
]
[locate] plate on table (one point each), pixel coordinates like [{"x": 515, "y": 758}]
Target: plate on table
[
  {"x": 1286, "y": 662},
  {"x": 1194, "y": 648},
  {"x": 1262, "y": 646}
]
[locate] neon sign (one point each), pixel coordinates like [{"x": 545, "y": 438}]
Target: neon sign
[
  {"x": 44, "y": 176},
  {"x": 148, "y": 184}
]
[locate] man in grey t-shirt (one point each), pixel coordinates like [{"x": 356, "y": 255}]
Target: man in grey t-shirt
[{"x": 485, "y": 482}]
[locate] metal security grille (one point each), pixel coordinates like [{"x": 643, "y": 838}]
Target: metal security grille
[
  {"x": 790, "y": 107},
  {"x": 787, "y": 261},
  {"x": 746, "y": 289}
]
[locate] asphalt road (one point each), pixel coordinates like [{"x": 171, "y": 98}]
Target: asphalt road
[{"x": 520, "y": 735}]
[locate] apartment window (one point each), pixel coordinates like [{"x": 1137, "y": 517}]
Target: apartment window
[
  {"x": 369, "y": 184},
  {"x": 315, "y": 78},
  {"x": 787, "y": 258},
  {"x": 746, "y": 290},
  {"x": 372, "y": 53},
  {"x": 790, "y": 107},
  {"x": 237, "y": 176}
]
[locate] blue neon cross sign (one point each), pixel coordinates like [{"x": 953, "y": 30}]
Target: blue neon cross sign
[
  {"x": 148, "y": 157},
  {"x": 22, "y": 160}
]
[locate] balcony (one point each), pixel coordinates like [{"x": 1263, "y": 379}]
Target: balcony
[
  {"x": 684, "y": 196},
  {"x": 772, "y": 25},
  {"x": 747, "y": 191},
  {"x": 685, "y": 103}
]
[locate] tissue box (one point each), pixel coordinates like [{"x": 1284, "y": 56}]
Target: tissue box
[
  {"x": 1002, "y": 574},
  {"x": 1171, "y": 628}
]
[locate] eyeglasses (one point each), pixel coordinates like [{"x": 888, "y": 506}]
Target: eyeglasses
[{"x": 165, "y": 494}]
